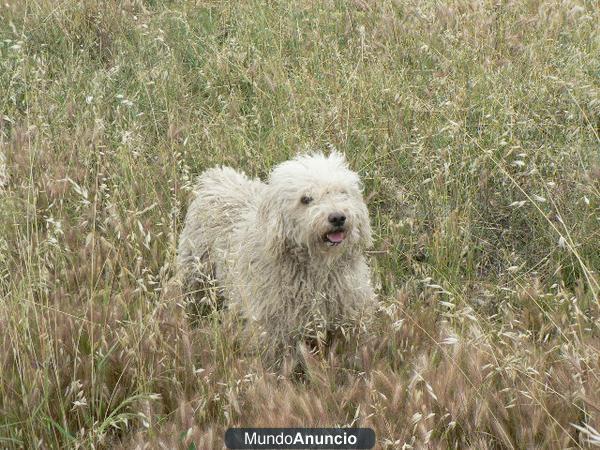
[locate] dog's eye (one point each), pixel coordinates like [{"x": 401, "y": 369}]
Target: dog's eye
[{"x": 305, "y": 199}]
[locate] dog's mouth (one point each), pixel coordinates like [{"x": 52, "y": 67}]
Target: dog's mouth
[{"x": 334, "y": 238}]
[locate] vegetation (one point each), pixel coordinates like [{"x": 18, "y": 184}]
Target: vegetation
[{"x": 475, "y": 127}]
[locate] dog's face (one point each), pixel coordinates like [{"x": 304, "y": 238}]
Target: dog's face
[{"x": 315, "y": 202}]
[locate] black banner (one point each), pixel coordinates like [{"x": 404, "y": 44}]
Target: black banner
[{"x": 299, "y": 438}]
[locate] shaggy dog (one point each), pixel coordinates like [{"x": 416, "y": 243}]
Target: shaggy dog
[{"x": 288, "y": 254}]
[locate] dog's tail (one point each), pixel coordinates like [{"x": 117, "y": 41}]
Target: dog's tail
[{"x": 224, "y": 195}]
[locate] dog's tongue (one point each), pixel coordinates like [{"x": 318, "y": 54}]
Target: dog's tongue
[{"x": 336, "y": 237}]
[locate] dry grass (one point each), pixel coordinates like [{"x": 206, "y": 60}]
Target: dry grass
[{"x": 475, "y": 125}]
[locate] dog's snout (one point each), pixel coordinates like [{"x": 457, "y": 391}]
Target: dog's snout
[{"x": 337, "y": 219}]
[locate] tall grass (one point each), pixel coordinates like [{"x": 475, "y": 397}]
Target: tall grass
[{"x": 475, "y": 127}]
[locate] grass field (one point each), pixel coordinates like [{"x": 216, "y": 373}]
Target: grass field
[{"x": 475, "y": 127}]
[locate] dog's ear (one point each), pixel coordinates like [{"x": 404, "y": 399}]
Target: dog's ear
[
  {"x": 366, "y": 238},
  {"x": 271, "y": 222}
]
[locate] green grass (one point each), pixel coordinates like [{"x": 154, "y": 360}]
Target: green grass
[{"x": 475, "y": 128}]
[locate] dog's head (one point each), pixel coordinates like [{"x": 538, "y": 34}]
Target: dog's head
[{"x": 315, "y": 202}]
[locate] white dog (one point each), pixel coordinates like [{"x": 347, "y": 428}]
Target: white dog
[{"x": 288, "y": 254}]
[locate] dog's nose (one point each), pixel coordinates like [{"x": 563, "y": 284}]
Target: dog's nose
[{"x": 337, "y": 219}]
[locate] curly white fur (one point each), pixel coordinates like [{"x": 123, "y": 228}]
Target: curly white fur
[{"x": 273, "y": 248}]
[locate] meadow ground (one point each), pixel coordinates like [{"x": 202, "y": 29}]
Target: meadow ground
[{"x": 475, "y": 127}]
